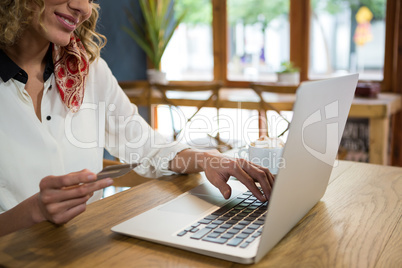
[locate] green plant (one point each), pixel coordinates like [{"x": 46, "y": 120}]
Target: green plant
[
  {"x": 155, "y": 30},
  {"x": 288, "y": 67}
]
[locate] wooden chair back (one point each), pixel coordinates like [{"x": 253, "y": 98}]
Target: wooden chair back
[
  {"x": 259, "y": 88},
  {"x": 213, "y": 99}
]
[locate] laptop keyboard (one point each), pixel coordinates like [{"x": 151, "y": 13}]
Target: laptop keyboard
[{"x": 238, "y": 223}]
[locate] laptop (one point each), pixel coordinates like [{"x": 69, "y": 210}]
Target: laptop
[{"x": 202, "y": 221}]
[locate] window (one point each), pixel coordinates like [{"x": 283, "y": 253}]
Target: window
[
  {"x": 189, "y": 55},
  {"x": 238, "y": 41},
  {"x": 315, "y": 44},
  {"x": 258, "y": 39},
  {"x": 347, "y": 37}
]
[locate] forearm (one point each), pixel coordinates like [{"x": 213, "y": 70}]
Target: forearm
[{"x": 19, "y": 217}]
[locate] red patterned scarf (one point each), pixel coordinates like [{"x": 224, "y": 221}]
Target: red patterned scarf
[{"x": 71, "y": 69}]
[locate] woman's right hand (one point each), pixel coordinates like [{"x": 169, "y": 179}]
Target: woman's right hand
[{"x": 61, "y": 198}]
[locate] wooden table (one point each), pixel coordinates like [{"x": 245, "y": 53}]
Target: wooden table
[
  {"x": 358, "y": 223},
  {"x": 379, "y": 111}
]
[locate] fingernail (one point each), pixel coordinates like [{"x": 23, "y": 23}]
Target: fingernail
[
  {"x": 109, "y": 182},
  {"x": 91, "y": 177},
  {"x": 227, "y": 194}
]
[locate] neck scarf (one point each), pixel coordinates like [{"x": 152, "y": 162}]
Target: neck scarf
[{"x": 71, "y": 70}]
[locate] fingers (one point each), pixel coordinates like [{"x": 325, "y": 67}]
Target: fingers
[
  {"x": 70, "y": 214},
  {"x": 62, "y": 198},
  {"x": 60, "y": 206},
  {"x": 66, "y": 193},
  {"x": 248, "y": 181},
  {"x": 216, "y": 171},
  {"x": 259, "y": 174},
  {"x": 219, "y": 168},
  {"x": 74, "y": 178},
  {"x": 70, "y": 186},
  {"x": 223, "y": 187},
  {"x": 62, "y": 212}
]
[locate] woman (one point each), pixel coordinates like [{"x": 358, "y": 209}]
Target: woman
[{"x": 61, "y": 106}]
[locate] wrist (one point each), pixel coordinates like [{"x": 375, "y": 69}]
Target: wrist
[
  {"x": 204, "y": 158},
  {"x": 36, "y": 212}
]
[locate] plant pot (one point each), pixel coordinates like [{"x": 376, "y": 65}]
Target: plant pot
[
  {"x": 289, "y": 78},
  {"x": 156, "y": 77}
]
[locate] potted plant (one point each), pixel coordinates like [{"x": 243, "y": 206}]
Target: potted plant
[
  {"x": 289, "y": 73},
  {"x": 154, "y": 31}
]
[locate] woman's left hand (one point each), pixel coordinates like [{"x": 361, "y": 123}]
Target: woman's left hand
[{"x": 218, "y": 169}]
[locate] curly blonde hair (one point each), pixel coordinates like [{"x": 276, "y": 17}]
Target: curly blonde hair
[{"x": 16, "y": 15}]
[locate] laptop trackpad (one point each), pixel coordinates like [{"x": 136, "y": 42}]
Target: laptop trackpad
[{"x": 193, "y": 204}]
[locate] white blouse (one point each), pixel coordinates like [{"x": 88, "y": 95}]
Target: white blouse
[{"x": 65, "y": 142}]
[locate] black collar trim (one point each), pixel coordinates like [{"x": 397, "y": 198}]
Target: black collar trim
[{"x": 9, "y": 69}]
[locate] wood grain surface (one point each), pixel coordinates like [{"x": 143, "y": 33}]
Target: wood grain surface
[{"x": 356, "y": 224}]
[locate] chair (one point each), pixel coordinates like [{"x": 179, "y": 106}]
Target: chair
[
  {"x": 212, "y": 100},
  {"x": 259, "y": 88}
]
